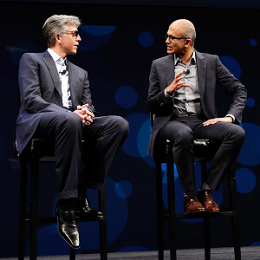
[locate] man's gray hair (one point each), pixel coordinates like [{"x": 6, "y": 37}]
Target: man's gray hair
[{"x": 58, "y": 24}]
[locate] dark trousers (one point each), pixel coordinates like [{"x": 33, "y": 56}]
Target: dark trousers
[
  {"x": 102, "y": 139},
  {"x": 183, "y": 130}
]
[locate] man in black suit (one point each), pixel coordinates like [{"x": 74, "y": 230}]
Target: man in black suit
[
  {"x": 182, "y": 97},
  {"x": 56, "y": 104}
]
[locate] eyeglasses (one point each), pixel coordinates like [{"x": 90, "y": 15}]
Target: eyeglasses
[
  {"x": 74, "y": 34},
  {"x": 171, "y": 37}
]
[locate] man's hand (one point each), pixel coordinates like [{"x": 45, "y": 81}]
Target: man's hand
[
  {"x": 227, "y": 119},
  {"x": 85, "y": 115},
  {"x": 176, "y": 84}
]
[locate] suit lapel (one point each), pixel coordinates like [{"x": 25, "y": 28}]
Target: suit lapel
[
  {"x": 201, "y": 67},
  {"x": 169, "y": 70},
  {"x": 53, "y": 71}
]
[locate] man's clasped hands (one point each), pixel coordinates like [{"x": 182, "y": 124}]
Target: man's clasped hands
[{"x": 85, "y": 114}]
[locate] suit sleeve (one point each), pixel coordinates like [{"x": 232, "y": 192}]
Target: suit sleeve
[
  {"x": 234, "y": 88},
  {"x": 86, "y": 96},
  {"x": 157, "y": 102},
  {"x": 30, "y": 87}
]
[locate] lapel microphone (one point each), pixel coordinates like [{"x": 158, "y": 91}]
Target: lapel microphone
[
  {"x": 187, "y": 72},
  {"x": 63, "y": 70}
]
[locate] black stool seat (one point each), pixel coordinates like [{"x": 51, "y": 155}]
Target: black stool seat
[{"x": 42, "y": 151}]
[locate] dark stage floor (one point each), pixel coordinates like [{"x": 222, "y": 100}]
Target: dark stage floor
[{"x": 227, "y": 253}]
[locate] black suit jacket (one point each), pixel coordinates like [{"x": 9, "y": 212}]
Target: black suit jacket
[
  {"x": 40, "y": 91},
  {"x": 211, "y": 72}
]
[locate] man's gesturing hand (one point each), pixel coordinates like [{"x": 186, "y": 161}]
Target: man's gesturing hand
[{"x": 176, "y": 84}]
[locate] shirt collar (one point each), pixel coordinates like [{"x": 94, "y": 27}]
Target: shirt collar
[
  {"x": 56, "y": 57},
  {"x": 177, "y": 59}
]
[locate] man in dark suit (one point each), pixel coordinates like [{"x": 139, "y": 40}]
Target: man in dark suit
[
  {"x": 182, "y": 97},
  {"x": 56, "y": 104}
]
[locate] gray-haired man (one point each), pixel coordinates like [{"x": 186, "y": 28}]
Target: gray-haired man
[{"x": 56, "y": 104}]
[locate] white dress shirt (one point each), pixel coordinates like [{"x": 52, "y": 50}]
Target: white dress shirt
[{"x": 61, "y": 65}]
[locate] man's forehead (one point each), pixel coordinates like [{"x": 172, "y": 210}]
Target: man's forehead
[{"x": 174, "y": 29}]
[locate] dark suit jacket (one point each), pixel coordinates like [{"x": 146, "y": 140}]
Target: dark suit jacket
[
  {"x": 40, "y": 91},
  {"x": 211, "y": 72}
]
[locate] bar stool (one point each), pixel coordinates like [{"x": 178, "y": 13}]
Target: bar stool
[
  {"x": 204, "y": 150},
  {"x": 42, "y": 151}
]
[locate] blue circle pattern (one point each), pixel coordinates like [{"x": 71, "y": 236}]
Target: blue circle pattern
[
  {"x": 95, "y": 36},
  {"x": 245, "y": 180},
  {"x": 98, "y": 30},
  {"x": 123, "y": 189},
  {"x": 126, "y": 96},
  {"x": 176, "y": 175},
  {"x": 130, "y": 146},
  {"x": 232, "y": 64},
  {"x": 250, "y": 102},
  {"x": 143, "y": 141},
  {"x": 250, "y": 152},
  {"x": 257, "y": 243},
  {"x": 253, "y": 42},
  {"x": 146, "y": 39}
]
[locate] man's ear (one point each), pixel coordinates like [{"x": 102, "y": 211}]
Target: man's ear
[
  {"x": 58, "y": 37},
  {"x": 188, "y": 42}
]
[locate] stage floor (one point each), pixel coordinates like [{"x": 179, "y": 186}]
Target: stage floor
[{"x": 226, "y": 253}]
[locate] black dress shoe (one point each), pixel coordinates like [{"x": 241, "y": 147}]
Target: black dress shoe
[
  {"x": 85, "y": 208},
  {"x": 67, "y": 226}
]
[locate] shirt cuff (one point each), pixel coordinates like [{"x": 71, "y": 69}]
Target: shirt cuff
[
  {"x": 233, "y": 118},
  {"x": 167, "y": 96}
]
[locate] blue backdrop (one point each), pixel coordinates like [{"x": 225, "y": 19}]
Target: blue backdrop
[{"x": 118, "y": 45}]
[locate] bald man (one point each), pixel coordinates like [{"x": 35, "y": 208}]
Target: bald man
[{"x": 182, "y": 96}]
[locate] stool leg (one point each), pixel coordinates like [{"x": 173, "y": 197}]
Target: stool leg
[
  {"x": 22, "y": 215},
  {"x": 171, "y": 201},
  {"x": 235, "y": 224},
  {"x": 159, "y": 196},
  {"x": 34, "y": 205},
  {"x": 207, "y": 237},
  {"x": 72, "y": 254},
  {"x": 203, "y": 165},
  {"x": 103, "y": 223}
]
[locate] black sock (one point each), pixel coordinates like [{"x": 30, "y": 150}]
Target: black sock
[
  {"x": 205, "y": 187},
  {"x": 68, "y": 204},
  {"x": 82, "y": 190}
]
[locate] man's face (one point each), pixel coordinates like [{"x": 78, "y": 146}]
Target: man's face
[
  {"x": 69, "y": 43},
  {"x": 175, "y": 46}
]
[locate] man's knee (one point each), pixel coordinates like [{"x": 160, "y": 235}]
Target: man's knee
[
  {"x": 121, "y": 125},
  {"x": 239, "y": 134},
  {"x": 184, "y": 135}
]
